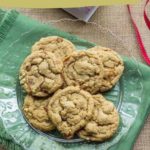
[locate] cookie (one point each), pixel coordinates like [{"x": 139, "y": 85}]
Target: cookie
[
  {"x": 83, "y": 69},
  {"x": 113, "y": 67},
  {"x": 35, "y": 110},
  {"x": 104, "y": 122},
  {"x": 70, "y": 109},
  {"x": 40, "y": 73},
  {"x": 54, "y": 44}
]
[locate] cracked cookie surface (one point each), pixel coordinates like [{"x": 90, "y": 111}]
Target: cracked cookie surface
[
  {"x": 70, "y": 109},
  {"x": 59, "y": 46},
  {"x": 40, "y": 74},
  {"x": 83, "y": 69},
  {"x": 35, "y": 110},
  {"x": 113, "y": 66},
  {"x": 104, "y": 122}
]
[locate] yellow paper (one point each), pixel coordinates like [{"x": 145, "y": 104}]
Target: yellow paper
[{"x": 61, "y": 3}]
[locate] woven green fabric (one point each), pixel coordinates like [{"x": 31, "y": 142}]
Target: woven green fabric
[
  {"x": 6, "y": 140},
  {"x": 2, "y": 13},
  {"x": 130, "y": 95}
]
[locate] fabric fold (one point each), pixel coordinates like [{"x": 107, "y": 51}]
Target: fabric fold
[{"x": 7, "y": 22}]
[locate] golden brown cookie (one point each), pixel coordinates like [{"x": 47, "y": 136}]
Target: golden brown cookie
[
  {"x": 35, "y": 110},
  {"x": 70, "y": 109},
  {"x": 104, "y": 122},
  {"x": 40, "y": 73},
  {"x": 59, "y": 46},
  {"x": 113, "y": 66},
  {"x": 83, "y": 69}
]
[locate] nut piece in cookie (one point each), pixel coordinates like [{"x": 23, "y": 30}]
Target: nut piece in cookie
[
  {"x": 83, "y": 69},
  {"x": 59, "y": 46},
  {"x": 70, "y": 109},
  {"x": 35, "y": 110},
  {"x": 113, "y": 66},
  {"x": 104, "y": 122},
  {"x": 40, "y": 73}
]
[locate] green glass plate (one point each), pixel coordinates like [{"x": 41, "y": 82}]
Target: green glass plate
[
  {"x": 17, "y": 35},
  {"x": 114, "y": 95}
]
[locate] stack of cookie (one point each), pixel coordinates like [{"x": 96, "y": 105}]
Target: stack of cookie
[{"x": 63, "y": 89}]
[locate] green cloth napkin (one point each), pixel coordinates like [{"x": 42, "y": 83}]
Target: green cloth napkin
[
  {"x": 5, "y": 138},
  {"x": 130, "y": 95}
]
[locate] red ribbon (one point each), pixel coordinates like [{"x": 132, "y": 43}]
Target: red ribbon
[
  {"x": 138, "y": 36},
  {"x": 147, "y": 21}
]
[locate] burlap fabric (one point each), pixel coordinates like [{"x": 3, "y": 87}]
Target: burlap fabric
[{"x": 117, "y": 19}]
